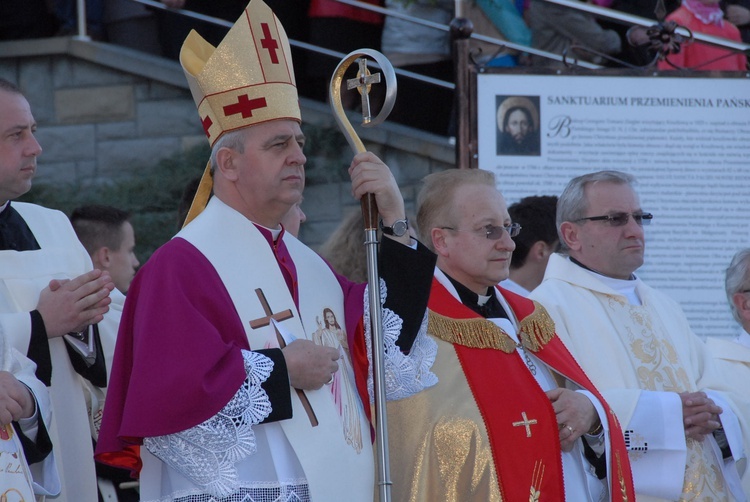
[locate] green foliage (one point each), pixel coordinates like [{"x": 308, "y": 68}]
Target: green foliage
[
  {"x": 153, "y": 198},
  {"x": 328, "y": 155}
]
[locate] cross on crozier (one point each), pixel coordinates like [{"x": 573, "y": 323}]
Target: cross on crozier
[
  {"x": 362, "y": 83},
  {"x": 525, "y": 423},
  {"x": 281, "y": 316}
]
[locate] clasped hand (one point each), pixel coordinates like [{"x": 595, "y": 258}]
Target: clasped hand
[
  {"x": 70, "y": 305},
  {"x": 700, "y": 415}
]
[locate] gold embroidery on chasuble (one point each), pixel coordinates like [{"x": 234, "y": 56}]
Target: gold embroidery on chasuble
[
  {"x": 535, "y": 331},
  {"x": 703, "y": 478},
  {"x": 440, "y": 448},
  {"x": 458, "y": 443},
  {"x": 659, "y": 368}
]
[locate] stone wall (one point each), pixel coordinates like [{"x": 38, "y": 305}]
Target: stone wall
[{"x": 106, "y": 112}]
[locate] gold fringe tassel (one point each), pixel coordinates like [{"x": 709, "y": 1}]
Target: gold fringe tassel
[
  {"x": 536, "y": 330},
  {"x": 475, "y": 333}
]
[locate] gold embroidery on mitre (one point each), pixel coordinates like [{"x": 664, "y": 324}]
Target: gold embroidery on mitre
[
  {"x": 536, "y": 329},
  {"x": 247, "y": 79},
  {"x": 474, "y": 333}
]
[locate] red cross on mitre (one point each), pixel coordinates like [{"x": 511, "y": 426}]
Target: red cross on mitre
[
  {"x": 245, "y": 106},
  {"x": 207, "y": 123},
  {"x": 269, "y": 43}
]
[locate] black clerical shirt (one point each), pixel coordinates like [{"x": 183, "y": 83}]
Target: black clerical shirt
[
  {"x": 491, "y": 309},
  {"x": 15, "y": 234}
]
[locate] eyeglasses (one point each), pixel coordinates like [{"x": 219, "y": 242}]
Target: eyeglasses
[
  {"x": 621, "y": 219},
  {"x": 493, "y": 232}
]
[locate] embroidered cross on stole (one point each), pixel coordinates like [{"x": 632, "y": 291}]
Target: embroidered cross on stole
[
  {"x": 282, "y": 316},
  {"x": 519, "y": 418}
]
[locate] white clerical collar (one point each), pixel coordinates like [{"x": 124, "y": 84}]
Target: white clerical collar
[
  {"x": 2, "y": 208},
  {"x": 744, "y": 339},
  {"x": 274, "y": 231},
  {"x": 626, "y": 287}
]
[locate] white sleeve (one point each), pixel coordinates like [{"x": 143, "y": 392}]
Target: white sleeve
[
  {"x": 15, "y": 327},
  {"x": 223, "y": 440},
  {"x": 655, "y": 439},
  {"x": 44, "y": 474},
  {"x": 405, "y": 374}
]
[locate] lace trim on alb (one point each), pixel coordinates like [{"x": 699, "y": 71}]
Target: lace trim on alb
[
  {"x": 207, "y": 453},
  {"x": 405, "y": 375},
  {"x": 296, "y": 491}
]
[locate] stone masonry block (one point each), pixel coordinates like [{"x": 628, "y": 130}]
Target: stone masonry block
[
  {"x": 95, "y": 104},
  {"x": 70, "y": 72},
  {"x": 38, "y": 89},
  {"x": 323, "y": 202},
  {"x": 67, "y": 143},
  {"x": 129, "y": 157},
  {"x": 168, "y": 118},
  {"x": 55, "y": 173},
  {"x": 149, "y": 91},
  {"x": 116, "y": 130}
]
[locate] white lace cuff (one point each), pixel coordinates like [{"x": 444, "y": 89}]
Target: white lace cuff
[
  {"x": 405, "y": 375},
  {"x": 207, "y": 453}
]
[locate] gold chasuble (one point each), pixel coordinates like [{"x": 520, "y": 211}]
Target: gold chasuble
[{"x": 487, "y": 431}]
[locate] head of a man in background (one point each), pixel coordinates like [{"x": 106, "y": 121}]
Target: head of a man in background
[
  {"x": 108, "y": 236},
  {"x": 537, "y": 241},
  {"x": 463, "y": 218},
  {"x": 738, "y": 287},
  {"x": 600, "y": 223}
]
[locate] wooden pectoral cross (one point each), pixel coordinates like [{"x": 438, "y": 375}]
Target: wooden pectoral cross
[{"x": 282, "y": 316}]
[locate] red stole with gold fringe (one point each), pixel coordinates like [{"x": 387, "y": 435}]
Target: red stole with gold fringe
[{"x": 518, "y": 416}]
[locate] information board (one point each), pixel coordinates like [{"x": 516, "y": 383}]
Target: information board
[{"x": 687, "y": 141}]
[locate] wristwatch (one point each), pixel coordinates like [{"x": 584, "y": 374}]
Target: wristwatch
[{"x": 398, "y": 228}]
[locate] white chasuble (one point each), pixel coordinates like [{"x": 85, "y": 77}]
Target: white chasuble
[
  {"x": 655, "y": 356},
  {"x": 23, "y": 275},
  {"x": 335, "y": 454},
  {"x": 733, "y": 360}
]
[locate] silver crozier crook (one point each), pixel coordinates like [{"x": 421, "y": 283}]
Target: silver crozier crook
[{"x": 370, "y": 215}]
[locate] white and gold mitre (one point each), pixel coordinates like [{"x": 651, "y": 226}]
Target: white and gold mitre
[{"x": 247, "y": 79}]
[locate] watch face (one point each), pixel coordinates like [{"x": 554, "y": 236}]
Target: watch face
[{"x": 400, "y": 227}]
